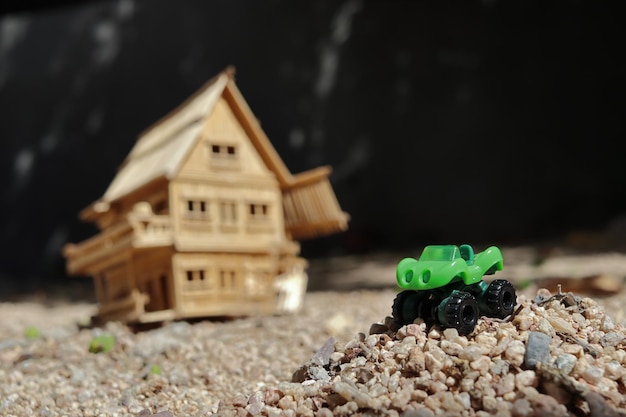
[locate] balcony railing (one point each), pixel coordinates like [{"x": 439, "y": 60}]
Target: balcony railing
[
  {"x": 140, "y": 229},
  {"x": 151, "y": 229},
  {"x": 81, "y": 255}
]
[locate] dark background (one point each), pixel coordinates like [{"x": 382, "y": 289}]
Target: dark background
[{"x": 474, "y": 121}]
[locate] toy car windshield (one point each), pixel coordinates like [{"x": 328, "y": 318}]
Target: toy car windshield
[{"x": 440, "y": 253}]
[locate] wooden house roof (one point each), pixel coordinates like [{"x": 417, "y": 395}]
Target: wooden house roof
[{"x": 161, "y": 150}]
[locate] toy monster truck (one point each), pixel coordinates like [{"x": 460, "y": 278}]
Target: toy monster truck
[{"x": 446, "y": 286}]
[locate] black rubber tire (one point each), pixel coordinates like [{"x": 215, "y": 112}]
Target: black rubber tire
[
  {"x": 428, "y": 307},
  {"x": 459, "y": 310},
  {"x": 406, "y": 306},
  {"x": 500, "y": 298}
]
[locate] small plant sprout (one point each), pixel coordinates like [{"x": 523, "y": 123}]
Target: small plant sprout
[
  {"x": 155, "y": 369},
  {"x": 31, "y": 333},
  {"x": 103, "y": 343}
]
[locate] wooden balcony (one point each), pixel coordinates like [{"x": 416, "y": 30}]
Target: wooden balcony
[
  {"x": 150, "y": 229},
  {"x": 141, "y": 229}
]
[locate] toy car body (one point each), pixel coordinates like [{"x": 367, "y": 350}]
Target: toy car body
[
  {"x": 440, "y": 264},
  {"x": 445, "y": 286}
]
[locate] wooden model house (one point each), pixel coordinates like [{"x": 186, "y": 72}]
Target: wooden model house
[{"x": 201, "y": 218}]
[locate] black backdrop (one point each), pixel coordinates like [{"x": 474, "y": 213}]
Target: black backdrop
[{"x": 498, "y": 121}]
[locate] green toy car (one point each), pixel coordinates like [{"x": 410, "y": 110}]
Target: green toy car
[{"x": 446, "y": 286}]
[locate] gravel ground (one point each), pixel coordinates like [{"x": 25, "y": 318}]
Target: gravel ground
[
  {"x": 559, "y": 357},
  {"x": 246, "y": 366},
  {"x": 201, "y": 363}
]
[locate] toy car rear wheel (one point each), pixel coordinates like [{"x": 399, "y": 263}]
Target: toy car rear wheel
[
  {"x": 428, "y": 307},
  {"x": 406, "y": 306},
  {"x": 500, "y": 298},
  {"x": 459, "y": 310}
]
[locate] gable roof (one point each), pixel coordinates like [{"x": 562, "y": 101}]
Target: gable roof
[{"x": 162, "y": 148}]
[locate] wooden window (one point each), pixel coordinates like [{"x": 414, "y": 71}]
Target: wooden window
[
  {"x": 258, "y": 211},
  {"x": 195, "y": 275},
  {"x": 196, "y": 208},
  {"x": 224, "y": 156},
  {"x": 228, "y": 279},
  {"x": 258, "y": 218},
  {"x": 224, "y": 152},
  {"x": 196, "y": 280}
]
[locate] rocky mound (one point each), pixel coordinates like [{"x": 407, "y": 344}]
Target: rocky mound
[{"x": 556, "y": 355}]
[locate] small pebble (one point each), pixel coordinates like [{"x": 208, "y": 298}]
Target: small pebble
[
  {"x": 593, "y": 374},
  {"x": 471, "y": 353},
  {"x": 515, "y": 352},
  {"x": 522, "y": 408},
  {"x": 612, "y": 338},
  {"x": 565, "y": 363},
  {"x": 505, "y": 385},
  {"x": 451, "y": 334},
  {"x": 451, "y": 348},
  {"x": 432, "y": 364},
  {"x": 561, "y": 325},
  {"x": 525, "y": 379},
  {"x": 542, "y": 296},
  {"x": 499, "y": 367},
  {"x": 420, "y": 412},
  {"x": 544, "y": 326},
  {"x": 481, "y": 364},
  {"x": 614, "y": 370},
  {"x": 537, "y": 350},
  {"x": 434, "y": 334},
  {"x": 607, "y": 324},
  {"x": 486, "y": 341},
  {"x": 490, "y": 404}
]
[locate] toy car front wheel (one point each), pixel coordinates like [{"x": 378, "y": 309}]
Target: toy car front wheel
[
  {"x": 459, "y": 310},
  {"x": 500, "y": 298},
  {"x": 406, "y": 307}
]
